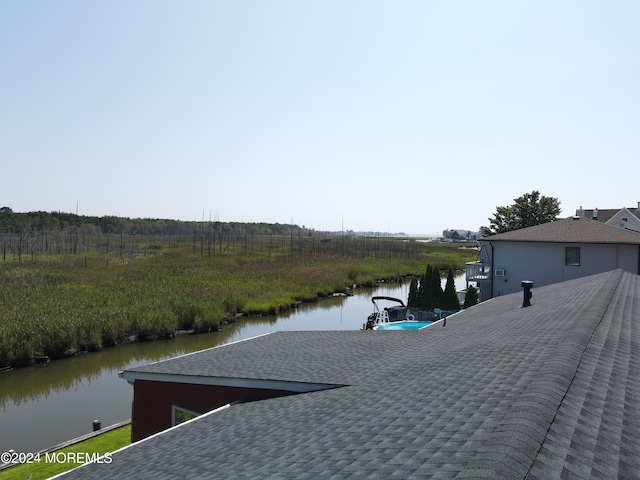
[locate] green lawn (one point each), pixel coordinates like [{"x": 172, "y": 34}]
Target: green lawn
[{"x": 61, "y": 460}]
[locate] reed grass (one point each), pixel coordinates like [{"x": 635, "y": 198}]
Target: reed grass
[{"x": 59, "y": 305}]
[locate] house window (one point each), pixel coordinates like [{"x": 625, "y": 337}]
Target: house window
[
  {"x": 572, "y": 256},
  {"x": 180, "y": 415}
]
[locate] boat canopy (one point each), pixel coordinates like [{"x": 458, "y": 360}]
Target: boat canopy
[{"x": 373, "y": 299}]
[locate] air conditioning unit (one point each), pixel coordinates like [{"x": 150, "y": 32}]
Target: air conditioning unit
[{"x": 499, "y": 272}]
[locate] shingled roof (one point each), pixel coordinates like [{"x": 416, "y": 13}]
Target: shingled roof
[
  {"x": 604, "y": 215},
  {"x": 547, "y": 391},
  {"x": 570, "y": 230}
]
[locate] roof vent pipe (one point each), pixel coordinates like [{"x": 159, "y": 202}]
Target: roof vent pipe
[{"x": 527, "y": 285}]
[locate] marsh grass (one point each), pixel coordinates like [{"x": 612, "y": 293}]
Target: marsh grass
[{"x": 59, "y": 305}]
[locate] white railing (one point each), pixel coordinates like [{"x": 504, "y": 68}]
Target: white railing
[{"x": 477, "y": 271}]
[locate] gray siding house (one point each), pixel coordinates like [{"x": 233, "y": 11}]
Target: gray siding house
[{"x": 551, "y": 253}]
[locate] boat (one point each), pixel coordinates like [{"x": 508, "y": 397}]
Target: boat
[{"x": 386, "y": 315}]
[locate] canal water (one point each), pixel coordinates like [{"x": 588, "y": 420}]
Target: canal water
[{"x": 41, "y": 406}]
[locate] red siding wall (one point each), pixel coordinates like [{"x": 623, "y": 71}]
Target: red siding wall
[{"x": 152, "y": 402}]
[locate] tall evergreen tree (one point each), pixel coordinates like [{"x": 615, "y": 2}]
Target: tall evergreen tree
[
  {"x": 450, "y": 299},
  {"x": 426, "y": 302},
  {"x": 413, "y": 300},
  {"x": 436, "y": 288},
  {"x": 432, "y": 293},
  {"x": 420, "y": 297}
]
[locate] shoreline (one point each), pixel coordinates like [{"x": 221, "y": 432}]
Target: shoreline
[{"x": 44, "y": 359}]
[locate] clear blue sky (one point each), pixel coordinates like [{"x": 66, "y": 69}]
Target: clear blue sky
[{"x": 411, "y": 116}]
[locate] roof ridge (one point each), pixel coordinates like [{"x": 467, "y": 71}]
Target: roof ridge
[{"x": 575, "y": 373}]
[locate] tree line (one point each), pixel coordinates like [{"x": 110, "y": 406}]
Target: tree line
[
  {"x": 28, "y": 235},
  {"x": 426, "y": 292},
  {"x": 11, "y": 221}
]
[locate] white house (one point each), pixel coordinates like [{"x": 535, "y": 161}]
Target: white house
[{"x": 550, "y": 253}]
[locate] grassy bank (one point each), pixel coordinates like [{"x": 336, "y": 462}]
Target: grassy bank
[
  {"x": 56, "y": 305},
  {"x": 48, "y": 465}
]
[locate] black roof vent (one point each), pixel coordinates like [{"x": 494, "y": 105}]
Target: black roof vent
[{"x": 527, "y": 285}]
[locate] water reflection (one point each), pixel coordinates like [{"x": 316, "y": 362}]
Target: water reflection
[{"x": 39, "y": 381}]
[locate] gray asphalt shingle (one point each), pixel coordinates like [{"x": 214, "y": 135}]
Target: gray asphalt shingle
[
  {"x": 548, "y": 391},
  {"x": 570, "y": 230}
]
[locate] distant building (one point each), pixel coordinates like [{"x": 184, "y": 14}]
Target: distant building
[
  {"x": 627, "y": 218},
  {"x": 461, "y": 235}
]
